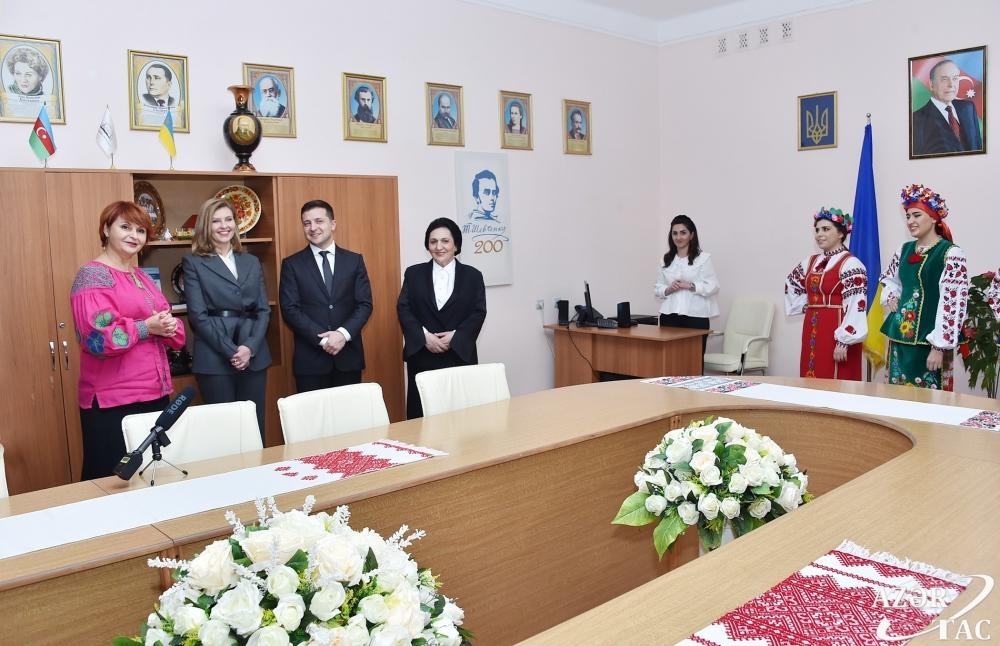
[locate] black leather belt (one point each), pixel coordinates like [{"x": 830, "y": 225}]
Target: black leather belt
[{"x": 239, "y": 314}]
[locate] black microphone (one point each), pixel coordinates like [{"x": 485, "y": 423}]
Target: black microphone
[{"x": 129, "y": 464}]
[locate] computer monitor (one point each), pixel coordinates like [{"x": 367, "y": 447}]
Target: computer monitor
[{"x": 587, "y": 316}]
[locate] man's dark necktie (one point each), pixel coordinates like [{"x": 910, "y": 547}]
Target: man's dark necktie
[
  {"x": 953, "y": 122},
  {"x": 161, "y": 102},
  {"x": 327, "y": 271}
]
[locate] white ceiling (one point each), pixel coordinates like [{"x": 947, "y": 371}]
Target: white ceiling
[{"x": 663, "y": 21}]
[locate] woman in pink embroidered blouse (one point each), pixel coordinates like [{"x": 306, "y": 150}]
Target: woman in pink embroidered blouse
[{"x": 124, "y": 325}]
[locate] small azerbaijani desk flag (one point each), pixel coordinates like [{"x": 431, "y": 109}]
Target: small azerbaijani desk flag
[
  {"x": 107, "y": 139},
  {"x": 40, "y": 139},
  {"x": 167, "y": 135}
]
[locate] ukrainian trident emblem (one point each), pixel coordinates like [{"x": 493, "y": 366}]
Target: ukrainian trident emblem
[{"x": 818, "y": 124}]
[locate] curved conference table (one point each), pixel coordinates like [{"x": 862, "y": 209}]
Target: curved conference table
[{"x": 518, "y": 516}]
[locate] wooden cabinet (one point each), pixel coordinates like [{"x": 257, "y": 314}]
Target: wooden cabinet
[{"x": 50, "y": 226}]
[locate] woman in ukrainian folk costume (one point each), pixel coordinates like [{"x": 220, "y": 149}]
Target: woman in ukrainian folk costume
[
  {"x": 926, "y": 291},
  {"x": 830, "y": 288}
]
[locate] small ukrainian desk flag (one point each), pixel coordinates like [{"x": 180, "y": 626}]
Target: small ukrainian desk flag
[{"x": 167, "y": 137}]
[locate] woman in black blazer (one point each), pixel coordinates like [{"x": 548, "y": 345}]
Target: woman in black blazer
[
  {"x": 228, "y": 311},
  {"x": 441, "y": 308}
]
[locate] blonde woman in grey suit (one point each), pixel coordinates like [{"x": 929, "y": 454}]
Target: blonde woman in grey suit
[{"x": 227, "y": 310}]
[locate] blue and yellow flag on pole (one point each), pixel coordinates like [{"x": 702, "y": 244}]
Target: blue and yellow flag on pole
[
  {"x": 864, "y": 245},
  {"x": 167, "y": 135}
]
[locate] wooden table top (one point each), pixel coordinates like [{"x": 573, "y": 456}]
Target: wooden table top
[
  {"x": 643, "y": 332},
  {"x": 935, "y": 503}
]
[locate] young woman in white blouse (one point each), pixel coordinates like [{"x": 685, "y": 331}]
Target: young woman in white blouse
[{"x": 686, "y": 282}]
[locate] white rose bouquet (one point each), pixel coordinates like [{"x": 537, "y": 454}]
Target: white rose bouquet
[
  {"x": 296, "y": 578},
  {"x": 709, "y": 474}
]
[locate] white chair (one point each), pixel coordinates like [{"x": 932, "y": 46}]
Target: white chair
[
  {"x": 746, "y": 338},
  {"x": 201, "y": 433},
  {"x": 331, "y": 411},
  {"x": 3, "y": 476},
  {"x": 460, "y": 387}
]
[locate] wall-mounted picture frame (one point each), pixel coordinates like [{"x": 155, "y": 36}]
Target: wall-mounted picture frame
[
  {"x": 818, "y": 121},
  {"x": 366, "y": 117},
  {"x": 578, "y": 132},
  {"x": 30, "y": 77},
  {"x": 445, "y": 114},
  {"x": 157, "y": 83},
  {"x": 272, "y": 97},
  {"x": 948, "y": 103},
  {"x": 515, "y": 120}
]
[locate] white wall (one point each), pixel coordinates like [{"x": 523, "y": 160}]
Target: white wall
[
  {"x": 677, "y": 129},
  {"x": 574, "y": 217},
  {"x": 729, "y": 153}
]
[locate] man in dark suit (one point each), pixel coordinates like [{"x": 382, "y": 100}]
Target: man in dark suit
[
  {"x": 945, "y": 124},
  {"x": 159, "y": 80},
  {"x": 326, "y": 300}
]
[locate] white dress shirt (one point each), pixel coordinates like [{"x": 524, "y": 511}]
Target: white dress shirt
[
  {"x": 230, "y": 261},
  {"x": 444, "y": 282},
  {"x": 320, "y": 263}
]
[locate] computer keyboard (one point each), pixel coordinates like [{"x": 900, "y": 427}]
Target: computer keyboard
[{"x": 607, "y": 323}]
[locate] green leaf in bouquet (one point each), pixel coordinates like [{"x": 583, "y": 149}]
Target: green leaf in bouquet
[
  {"x": 682, "y": 469},
  {"x": 371, "y": 562},
  {"x": 723, "y": 427},
  {"x": 633, "y": 511},
  {"x": 299, "y": 561},
  {"x": 125, "y": 641},
  {"x": 733, "y": 455},
  {"x": 697, "y": 445},
  {"x": 205, "y": 602},
  {"x": 762, "y": 490},
  {"x": 667, "y": 532}
]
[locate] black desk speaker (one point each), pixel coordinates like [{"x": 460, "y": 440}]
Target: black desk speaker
[
  {"x": 624, "y": 314},
  {"x": 563, "y": 307}
]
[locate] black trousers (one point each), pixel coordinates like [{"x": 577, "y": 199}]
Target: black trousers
[
  {"x": 690, "y": 322},
  {"x": 103, "y": 441},
  {"x": 332, "y": 379},
  {"x": 242, "y": 385},
  {"x": 421, "y": 362}
]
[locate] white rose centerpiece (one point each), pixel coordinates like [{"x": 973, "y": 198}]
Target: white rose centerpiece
[
  {"x": 711, "y": 473},
  {"x": 295, "y": 578}
]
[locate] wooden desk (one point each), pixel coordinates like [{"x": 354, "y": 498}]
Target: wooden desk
[
  {"x": 638, "y": 351},
  {"x": 518, "y": 515}
]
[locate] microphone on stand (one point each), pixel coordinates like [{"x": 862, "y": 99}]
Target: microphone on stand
[{"x": 129, "y": 464}]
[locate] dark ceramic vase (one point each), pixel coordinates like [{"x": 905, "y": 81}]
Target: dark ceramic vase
[{"x": 242, "y": 129}]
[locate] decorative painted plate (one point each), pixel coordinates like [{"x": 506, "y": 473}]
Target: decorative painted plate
[
  {"x": 177, "y": 281},
  {"x": 146, "y": 196},
  {"x": 246, "y": 206}
]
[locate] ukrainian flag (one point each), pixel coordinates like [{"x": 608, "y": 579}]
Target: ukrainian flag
[{"x": 167, "y": 135}]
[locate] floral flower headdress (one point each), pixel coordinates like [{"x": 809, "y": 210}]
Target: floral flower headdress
[
  {"x": 836, "y": 216},
  {"x": 925, "y": 199}
]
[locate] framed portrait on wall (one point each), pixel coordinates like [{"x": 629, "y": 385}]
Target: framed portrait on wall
[
  {"x": 30, "y": 77},
  {"x": 365, "y": 113},
  {"x": 445, "y": 114},
  {"x": 948, "y": 103},
  {"x": 818, "y": 121},
  {"x": 577, "y": 127},
  {"x": 272, "y": 98},
  {"x": 515, "y": 120},
  {"x": 158, "y": 83}
]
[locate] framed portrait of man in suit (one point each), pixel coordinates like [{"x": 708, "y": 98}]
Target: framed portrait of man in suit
[
  {"x": 577, "y": 131},
  {"x": 272, "y": 98},
  {"x": 158, "y": 83},
  {"x": 948, "y": 103},
  {"x": 445, "y": 114},
  {"x": 366, "y": 116}
]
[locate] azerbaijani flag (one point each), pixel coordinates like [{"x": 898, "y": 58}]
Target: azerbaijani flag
[
  {"x": 167, "y": 135},
  {"x": 40, "y": 139}
]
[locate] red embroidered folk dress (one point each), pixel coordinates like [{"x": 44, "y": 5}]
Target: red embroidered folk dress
[{"x": 831, "y": 291}]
